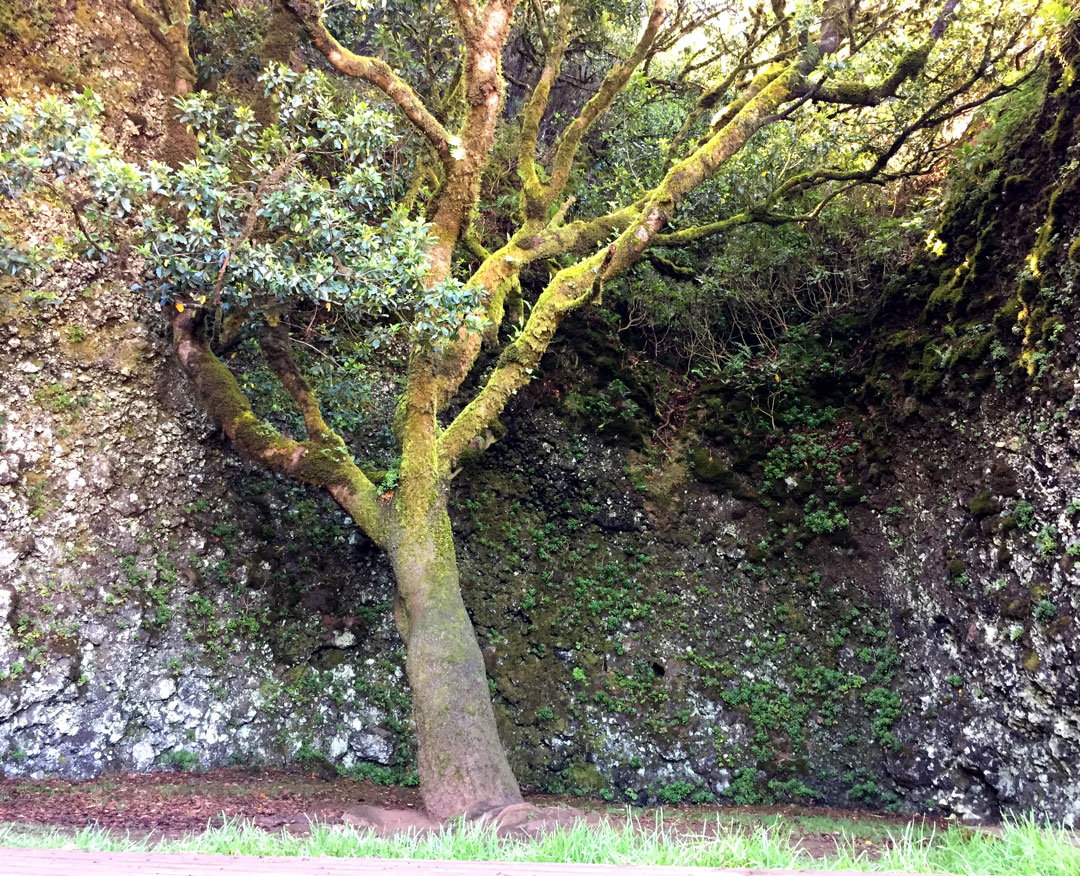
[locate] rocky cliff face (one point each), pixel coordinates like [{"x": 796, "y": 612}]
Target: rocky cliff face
[{"x": 873, "y": 603}]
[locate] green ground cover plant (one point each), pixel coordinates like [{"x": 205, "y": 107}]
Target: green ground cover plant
[{"x": 1021, "y": 848}]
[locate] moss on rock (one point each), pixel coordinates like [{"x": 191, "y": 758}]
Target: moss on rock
[
  {"x": 984, "y": 504},
  {"x": 709, "y": 468}
]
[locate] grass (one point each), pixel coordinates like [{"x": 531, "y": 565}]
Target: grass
[
  {"x": 860, "y": 828},
  {"x": 1023, "y": 849}
]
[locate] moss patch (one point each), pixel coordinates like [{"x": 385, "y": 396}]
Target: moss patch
[{"x": 984, "y": 504}]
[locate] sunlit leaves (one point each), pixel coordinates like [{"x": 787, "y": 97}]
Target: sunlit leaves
[
  {"x": 265, "y": 218},
  {"x": 54, "y": 151}
]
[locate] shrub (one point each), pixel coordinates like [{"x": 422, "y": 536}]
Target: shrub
[{"x": 1045, "y": 611}]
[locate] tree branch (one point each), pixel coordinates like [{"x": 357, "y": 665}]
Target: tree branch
[
  {"x": 698, "y": 232},
  {"x": 575, "y": 286},
  {"x": 377, "y": 73},
  {"x": 423, "y": 174},
  {"x": 724, "y": 116},
  {"x": 467, "y": 14},
  {"x": 277, "y": 349},
  {"x": 153, "y": 23},
  {"x": 932, "y": 117},
  {"x": 541, "y": 25},
  {"x": 760, "y": 216},
  {"x": 534, "y": 206},
  {"x": 499, "y": 275},
  {"x": 171, "y": 33},
  {"x": 859, "y": 93},
  {"x": 484, "y": 40},
  {"x": 569, "y": 290},
  {"x": 599, "y": 104},
  {"x": 326, "y": 465}
]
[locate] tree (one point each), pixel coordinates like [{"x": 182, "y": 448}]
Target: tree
[{"x": 292, "y": 235}]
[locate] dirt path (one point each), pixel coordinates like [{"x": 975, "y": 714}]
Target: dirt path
[
  {"x": 168, "y": 805},
  {"x": 175, "y": 802},
  {"x": 23, "y": 862},
  {"x": 171, "y": 803}
]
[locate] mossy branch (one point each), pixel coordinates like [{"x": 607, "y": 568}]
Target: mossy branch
[
  {"x": 698, "y": 232},
  {"x": 374, "y": 71},
  {"x": 533, "y": 112},
  {"x": 171, "y": 33},
  {"x": 599, "y": 104},
  {"x": 759, "y": 216},
  {"x": 707, "y": 101},
  {"x": 151, "y": 21},
  {"x": 668, "y": 268},
  {"x": 933, "y": 116},
  {"x": 499, "y": 276},
  {"x": 467, "y": 14},
  {"x": 484, "y": 31},
  {"x": 573, "y": 287},
  {"x": 861, "y": 94},
  {"x": 325, "y": 463},
  {"x": 743, "y": 66},
  {"x": 277, "y": 349},
  {"x": 496, "y": 276},
  {"x": 568, "y": 290},
  {"x": 473, "y": 242},
  {"x": 424, "y": 174},
  {"x": 724, "y": 116}
]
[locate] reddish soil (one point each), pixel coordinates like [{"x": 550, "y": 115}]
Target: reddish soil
[
  {"x": 165, "y": 804},
  {"x": 172, "y": 803}
]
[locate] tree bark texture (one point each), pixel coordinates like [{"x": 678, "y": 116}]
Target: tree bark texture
[{"x": 463, "y": 765}]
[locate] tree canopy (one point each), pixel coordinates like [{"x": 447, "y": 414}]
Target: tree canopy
[{"x": 411, "y": 174}]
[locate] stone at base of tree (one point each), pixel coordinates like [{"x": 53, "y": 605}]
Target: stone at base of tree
[
  {"x": 388, "y": 821},
  {"x": 525, "y": 821}
]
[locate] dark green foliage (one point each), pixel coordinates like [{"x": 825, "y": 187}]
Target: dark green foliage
[
  {"x": 181, "y": 759},
  {"x": 1045, "y": 611},
  {"x": 984, "y": 504}
]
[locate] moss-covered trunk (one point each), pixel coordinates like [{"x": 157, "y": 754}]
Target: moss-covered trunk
[{"x": 463, "y": 768}]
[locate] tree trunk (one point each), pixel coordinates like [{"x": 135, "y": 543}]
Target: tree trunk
[{"x": 463, "y": 767}]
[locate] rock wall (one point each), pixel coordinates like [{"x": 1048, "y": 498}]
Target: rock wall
[
  {"x": 872, "y": 605},
  {"x": 167, "y": 608},
  {"x": 156, "y": 610}
]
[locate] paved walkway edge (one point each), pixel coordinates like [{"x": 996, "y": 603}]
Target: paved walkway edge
[{"x": 62, "y": 862}]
